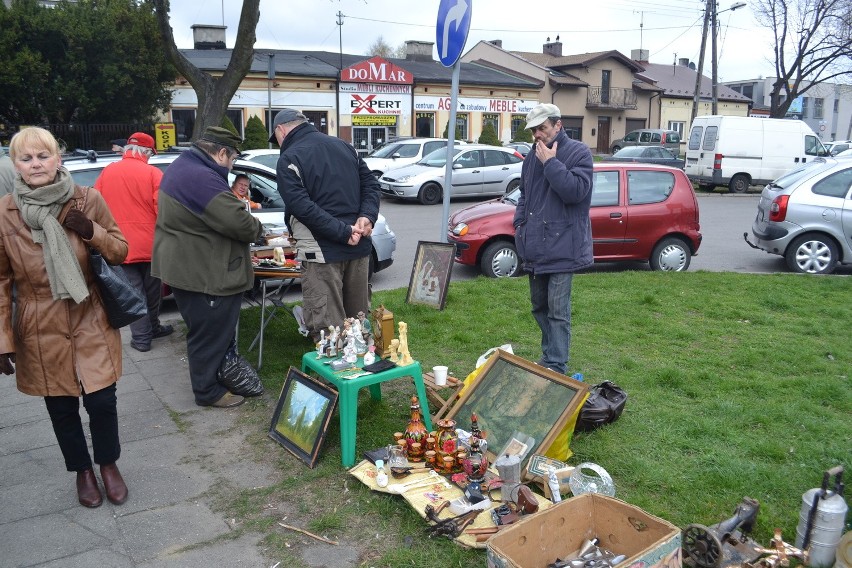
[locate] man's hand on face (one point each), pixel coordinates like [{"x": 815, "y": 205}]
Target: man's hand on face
[{"x": 543, "y": 153}]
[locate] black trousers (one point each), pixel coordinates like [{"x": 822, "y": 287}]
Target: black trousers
[
  {"x": 139, "y": 274},
  {"x": 211, "y": 323},
  {"x": 64, "y": 413}
]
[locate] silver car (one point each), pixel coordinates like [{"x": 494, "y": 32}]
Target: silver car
[
  {"x": 806, "y": 216},
  {"x": 264, "y": 190},
  {"x": 478, "y": 169}
]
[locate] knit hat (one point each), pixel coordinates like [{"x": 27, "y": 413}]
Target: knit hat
[{"x": 222, "y": 136}]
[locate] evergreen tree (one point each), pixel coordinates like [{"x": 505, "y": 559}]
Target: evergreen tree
[
  {"x": 256, "y": 135},
  {"x": 523, "y": 134},
  {"x": 228, "y": 125},
  {"x": 489, "y": 135},
  {"x": 446, "y": 133}
]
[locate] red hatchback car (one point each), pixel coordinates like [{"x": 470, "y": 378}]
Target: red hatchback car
[{"x": 639, "y": 212}]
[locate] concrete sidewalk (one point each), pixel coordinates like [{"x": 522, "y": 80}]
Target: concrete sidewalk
[{"x": 173, "y": 454}]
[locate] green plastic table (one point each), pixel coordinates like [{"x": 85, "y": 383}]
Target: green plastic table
[{"x": 348, "y": 395}]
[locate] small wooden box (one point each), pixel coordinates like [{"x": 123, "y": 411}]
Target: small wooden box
[{"x": 383, "y": 330}]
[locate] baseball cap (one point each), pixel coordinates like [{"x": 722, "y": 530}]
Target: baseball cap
[
  {"x": 541, "y": 113},
  {"x": 283, "y": 117},
  {"x": 142, "y": 139}
]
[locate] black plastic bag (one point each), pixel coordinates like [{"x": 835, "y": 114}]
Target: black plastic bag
[
  {"x": 123, "y": 303},
  {"x": 605, "y": 404},
  {"x": 237, "y": 375}
]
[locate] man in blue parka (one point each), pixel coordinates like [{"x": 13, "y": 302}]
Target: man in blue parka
[{"x": 553, "y": 233}]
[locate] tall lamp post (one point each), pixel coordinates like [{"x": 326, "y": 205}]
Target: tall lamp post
[
  {"x": 715, "y": 78},
  {"x": 710, "y": 15}
]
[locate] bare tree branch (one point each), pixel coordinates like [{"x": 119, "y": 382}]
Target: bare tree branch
[{"x": 813, "y": 45}]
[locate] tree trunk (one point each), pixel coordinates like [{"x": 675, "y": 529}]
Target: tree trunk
[{"x": 214, "y": 94}]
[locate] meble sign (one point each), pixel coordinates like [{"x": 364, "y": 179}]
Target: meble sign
[{"x": 376, "y": 70}]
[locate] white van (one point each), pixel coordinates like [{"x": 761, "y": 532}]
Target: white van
[{"x": 740, "y": 151}]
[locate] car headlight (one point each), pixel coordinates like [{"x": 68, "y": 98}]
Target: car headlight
[
  {"x": 460, "y": 229},
  {"x": 404, "y": 179}
]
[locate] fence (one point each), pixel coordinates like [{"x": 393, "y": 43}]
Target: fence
[{"x": 88, "y": 136}]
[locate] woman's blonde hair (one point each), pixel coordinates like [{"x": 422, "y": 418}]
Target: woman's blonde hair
[{"x": 33, "y": 137}]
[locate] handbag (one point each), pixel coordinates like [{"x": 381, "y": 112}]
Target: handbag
[
  {"x": 605, "y": 404},
  {"x": 122, "y": 302}
]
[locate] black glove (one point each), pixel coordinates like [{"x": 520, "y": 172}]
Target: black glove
[
  {"x": 77, "y": 221},
  {"x": 6, "y": 366}
]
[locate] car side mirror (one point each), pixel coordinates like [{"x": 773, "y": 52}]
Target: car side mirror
[
  {"x": 457, "y": 166},
  {"x": 395, "y": 156}
]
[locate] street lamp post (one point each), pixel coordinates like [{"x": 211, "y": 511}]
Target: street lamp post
[{"x": 715, "y": 70}]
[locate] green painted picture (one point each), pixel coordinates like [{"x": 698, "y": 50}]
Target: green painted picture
[{"x": 302, "y": 416}]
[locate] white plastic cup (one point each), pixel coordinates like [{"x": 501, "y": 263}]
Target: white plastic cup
[{"x": 440, "y": 373}]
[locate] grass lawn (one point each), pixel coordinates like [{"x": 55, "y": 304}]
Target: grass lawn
[{"x": 738, "y": 386}]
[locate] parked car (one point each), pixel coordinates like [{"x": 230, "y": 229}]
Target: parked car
[
  {"x": 264, "y": 190},
  {"x": 402, "y": 152},
  {"x": 267, "y": 157},
  {"x": 649, "y": 137},
  {"x": 646, "y": 155},
  {"x": 838, "y": 146},
  {"x": 523, "y": 148},
  {"x": 639, "y": 212},
  {"x": 478, "y": 169},
  {"x": 805, "y": 217}
]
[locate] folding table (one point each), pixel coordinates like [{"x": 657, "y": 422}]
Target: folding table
[
  {"x": 274, "y": 283},
  {"x": 348, "y": 388}
]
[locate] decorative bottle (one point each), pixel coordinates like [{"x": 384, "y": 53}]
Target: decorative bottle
[
  {"x": 446, "y": 441},
  {"x": 415, "y": 433},
  {"x": 381, "y": 474}
]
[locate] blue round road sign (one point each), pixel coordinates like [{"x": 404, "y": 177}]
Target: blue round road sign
[{"x": 452, "y": 29}]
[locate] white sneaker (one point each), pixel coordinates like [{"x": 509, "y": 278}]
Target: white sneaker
[{"x": 300, "y": 319}]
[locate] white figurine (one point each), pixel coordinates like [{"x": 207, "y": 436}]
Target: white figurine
[
  {"x": 370, "y": 355},
  {"x": 321, "y": 345}
]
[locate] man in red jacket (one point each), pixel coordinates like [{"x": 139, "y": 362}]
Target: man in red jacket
[{"x": 130, "y": 187}]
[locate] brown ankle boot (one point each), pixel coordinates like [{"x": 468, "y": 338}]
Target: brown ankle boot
[
  {"x": 116, "y": 490},
  {"x": 88, "y": 492}
]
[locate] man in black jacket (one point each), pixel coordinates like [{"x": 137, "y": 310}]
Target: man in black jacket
[{"x": 332, "y": 202}]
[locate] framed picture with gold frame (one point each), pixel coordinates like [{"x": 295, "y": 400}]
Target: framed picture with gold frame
[{"x": 514, "y": 398}]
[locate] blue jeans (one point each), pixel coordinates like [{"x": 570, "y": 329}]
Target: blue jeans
[{"x": 550, "y": 295}]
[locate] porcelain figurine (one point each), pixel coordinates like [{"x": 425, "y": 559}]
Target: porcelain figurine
[{"x": 405, "y": 356}]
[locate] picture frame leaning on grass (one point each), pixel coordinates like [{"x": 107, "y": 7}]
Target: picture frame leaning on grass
[
  {"x": 430, "y": 274},
  {"x": 302, "y": 415}
]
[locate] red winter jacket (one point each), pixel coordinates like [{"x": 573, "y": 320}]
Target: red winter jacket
[{"x": 130, "y": 187}]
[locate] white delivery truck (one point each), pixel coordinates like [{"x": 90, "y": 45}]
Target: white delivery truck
[{"x": 739, "y": 151}]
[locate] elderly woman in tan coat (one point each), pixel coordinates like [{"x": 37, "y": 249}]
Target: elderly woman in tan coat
[{"x": 60, "y": 340}]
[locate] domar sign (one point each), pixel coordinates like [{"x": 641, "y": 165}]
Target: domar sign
[{"x": 376, "y": 70}]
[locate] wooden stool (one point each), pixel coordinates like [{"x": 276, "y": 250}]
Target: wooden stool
[{"x": 433, "y": 393}]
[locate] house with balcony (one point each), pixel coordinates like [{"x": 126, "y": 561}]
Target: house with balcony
[{"x": 599, "y": 93}]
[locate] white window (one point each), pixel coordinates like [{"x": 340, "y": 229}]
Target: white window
[{"x": 677, "y": 126}]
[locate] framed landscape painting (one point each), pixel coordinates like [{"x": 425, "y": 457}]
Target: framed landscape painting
[{"x": 302, "y": 415}]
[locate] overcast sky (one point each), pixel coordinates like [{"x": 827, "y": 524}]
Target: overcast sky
[{"x": 669, "y": 28}]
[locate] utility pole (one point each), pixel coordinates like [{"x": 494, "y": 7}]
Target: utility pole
[
  {"x": 339, "y": 71},
  {"x": 714, "y": 108},
  {"x": 696, "y": 96}
]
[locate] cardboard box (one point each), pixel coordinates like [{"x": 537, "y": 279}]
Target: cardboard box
[{"x": 559, "y": 531}]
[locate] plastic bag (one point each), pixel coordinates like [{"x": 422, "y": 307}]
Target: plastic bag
[
  {"x": 238, "y": 376},
  {"x": 122, "y": 303},
  {"x": 605, "y": 404},
  {"x": 507, "y": 347}
]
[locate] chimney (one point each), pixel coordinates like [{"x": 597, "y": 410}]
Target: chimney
[
  {"x": 683, "y": 61},
  {"x": 497, "y": 42},
  {"x": 206, "y": 36},
  {"x": 553, "y": 48},
  {"x": 418, "y": 50},
  {"x": 639, "y": 55}
]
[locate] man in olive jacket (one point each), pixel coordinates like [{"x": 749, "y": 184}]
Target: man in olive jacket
[{"x": 201, "y": 250}]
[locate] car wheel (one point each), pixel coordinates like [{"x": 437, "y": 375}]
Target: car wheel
[
  {"x": 739, "y": 183},
  {"x": 430, "y": 194},
  {"x": 671, "y": 254},
  {"x": 500, "y": 260},
  {"x": 513, "y": 185},
  {"x": 615, "y": 149},
  {"x": 812, "y": 254}
]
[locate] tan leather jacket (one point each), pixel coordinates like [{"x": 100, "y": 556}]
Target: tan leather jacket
[{"x": 60, "y": 345}]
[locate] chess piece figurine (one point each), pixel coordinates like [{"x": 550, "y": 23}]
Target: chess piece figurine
[
  {"x": 405, "y": 355},
  {"x": 331, "y": 348},
  {"x": 394, "y": 350},
  {"x": 321, "y": 345}
]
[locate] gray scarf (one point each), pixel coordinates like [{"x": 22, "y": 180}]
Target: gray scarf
[{"x": 40, "y": 208}]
